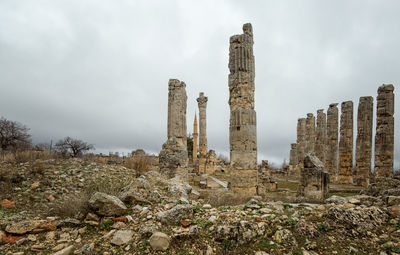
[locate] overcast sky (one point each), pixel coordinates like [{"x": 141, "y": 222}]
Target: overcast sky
[{"x": 98, "y": 70}]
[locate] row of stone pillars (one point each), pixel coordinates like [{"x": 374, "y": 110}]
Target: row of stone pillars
[{"x": 323, "y": 140}]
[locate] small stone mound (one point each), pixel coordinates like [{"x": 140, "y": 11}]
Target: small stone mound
[{"x": 357, "y": 220}]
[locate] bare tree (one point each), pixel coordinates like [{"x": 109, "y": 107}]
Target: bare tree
[
  {"x": 13, "y": 135},
  {"x": 75, "y": 146}
]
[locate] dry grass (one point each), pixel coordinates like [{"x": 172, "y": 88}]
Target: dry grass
[
  {"x": 27, "y": 156},
  {"x": 141, "y": 164},
  {"x": 72, "y": 206}
]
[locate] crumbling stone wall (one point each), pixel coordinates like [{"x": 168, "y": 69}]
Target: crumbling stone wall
[
  {"x": 332, "y": 156},
  {"x": 202, "y": 103},
  {"x": 301, "y": 142},
  {"x": 364, "y": 141},
  {"x": 384, "y": 136},
  {"x": 310, "y": 134},
  {"x": 173, "y": 156},
  {"x": 346, "y": 143},
  {"x": 314, "y": 182},
  {"x": 320, "y": 140},
  {"x": 243, "y": 131},
  {"x": 210, "y": 163}
]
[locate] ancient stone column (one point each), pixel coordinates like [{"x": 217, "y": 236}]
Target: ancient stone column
[
  {"x": 195, "y": 135},
  {"x": 310, "y": 134},
  {"x": 346, "y": 143},
  {"x": 320, "y": 140},
  {"x": 301, "y": 143},
  {"x": 202, "y": 103},
  {"x": 364, "y": 141},
  {"x": 332, "y": 156},
  {"x": 173, "y": 156},
  {"x": 242, "y": 127},
  {"x": 384, "y": 136},
  {"x": 293, "y": 158}
]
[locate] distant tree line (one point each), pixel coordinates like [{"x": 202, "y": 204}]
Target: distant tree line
[{"x": 15, "y": 136}]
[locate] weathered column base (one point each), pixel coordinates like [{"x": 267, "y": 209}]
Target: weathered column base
[{"x": 244, "y": 182}]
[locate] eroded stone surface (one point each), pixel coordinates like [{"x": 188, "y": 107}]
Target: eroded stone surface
[
  {"x": 173, "y": 156},
  {"x": 310, "y": 134},
  {"x": 301, "y": 142},
  {"x": 195, "y": 137},
  {"x": 314, "y": 182},
  {"x": 320, "y": 139},
  {"x": 384, "y": 136},
  {"x": 332, "y": 156},
  {"x": 243, "y": 131},
  {"x": 202, "y": 104},
  {"x": 364, "y": 141},
  {"x": 346, "y": 143}
]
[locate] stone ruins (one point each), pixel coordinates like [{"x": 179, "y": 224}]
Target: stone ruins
[
  {"x": 301, "y": 142},
  {"x": 332, "y": 145},
  {"x": 293, "y": 159},
  {"x": 320, "y": 138},
  {"x": 384, "y": 137},
  {"x": 173, "y": 156},
  {"x": 310, "y": 134},
  {"x": 195, "y": 135},
  {"x": 314, "y": 182},
  {"x": 336, "y": 154},
  {"x": 202, "y": 103},
  {"x": 364, "y": 140},
  {"x": 346, "y": 143},
  {"x": 242, "y": 127}
]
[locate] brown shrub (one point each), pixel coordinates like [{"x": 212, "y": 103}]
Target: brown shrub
[
  {"x": 140, "y": 164},
  {"x": 72, "y": 206}
]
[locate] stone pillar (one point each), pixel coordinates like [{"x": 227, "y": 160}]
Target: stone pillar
[
  {"x": 310, "y": 134},
  {"x": 242, "y": 127},
  {"x": 364, "y": 141},
  {"x": 346, "y": 143},
  {"x": 301, "y": 143},
  {"x": 210, "y": 164},
  {"x": 195, "y": 135},
  {"x": 202, "y": 103},
  {"x": 332, "y": 156},
  {"x": 293, "y": 159},
  {"x": 384, "y": 136},
  {"x": 320, "y": 141},
  {"x": 173, "y": 156}
]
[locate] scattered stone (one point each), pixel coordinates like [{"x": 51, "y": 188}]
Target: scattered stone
[
  {"x": 23, "y": 227},
  {"x": 122, "y": 237},
  {"x": 175, "y": 214},
  {"x": 159, "y": 241},
  {"x": 66, "y": 251},
  {"x": 106, "y": 205}
]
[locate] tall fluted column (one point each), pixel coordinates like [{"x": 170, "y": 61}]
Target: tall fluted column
[
  {"x": 364, "y": 141},
  {"x": 195, "y": 135},
  {"x": 173, "y": 156},
  {"x": 332, "y": 156},
  {"x": 320, "y": 141},
  {"x": 384, "y": 136},
  {"x": 242, "y": 127},
  {"x": 346, "y": 143},
  {"x": 310, "y": 133},
  {"x": 202, "y": 103}
]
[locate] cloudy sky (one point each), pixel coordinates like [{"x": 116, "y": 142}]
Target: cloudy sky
[{"x": 98, "y": 70}]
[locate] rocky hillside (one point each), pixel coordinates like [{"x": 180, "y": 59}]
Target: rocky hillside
[{"x": 80, "y": 207}]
